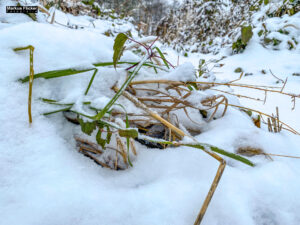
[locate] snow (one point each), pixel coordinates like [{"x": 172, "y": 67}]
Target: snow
[{"x": 44, "y": 180}]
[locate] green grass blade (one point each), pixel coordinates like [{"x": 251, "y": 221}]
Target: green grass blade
[
  {"x": 163, "y": 57},
  {"x": 91, "y": 81},
  {"x": 202, "y": 147},
  {"x": 55, "y": 102},
  {"x": 57, "y": 111},
  {"x": 68, "y": 72},
  {"x": 55, "y": 74},
  {"x": 222, "y": 152},
  {"x": 129, "y": 63},
  {"x": 123, "y": 87}
]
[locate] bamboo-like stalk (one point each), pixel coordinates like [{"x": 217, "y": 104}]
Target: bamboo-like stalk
[
  {"x": 30, "y": 83},
  {"x": 212, "y": 189},
  {"x": 31, "y": 77}
]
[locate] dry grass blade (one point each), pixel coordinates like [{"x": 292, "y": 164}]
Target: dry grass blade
[
  {"x": 42, "y": 9},
  {"x": 278, "y": 79},
  {"x": 287, "y": 156},
  {"x": 133, "y": 148},
  {"x": 122, "y": 148},
  {"x": 283, "y": 86},
  {"x": 151, "y": 113},
  {"x": 267, "y": 115},
  {"x": 188, "y": 116},
  {"x": 175, "y": 104},
  {"x": 248, "y": 86},
  {"x": 241, "y": 76},
  {"x": 209, "y": 102},
  {"x": 274, "y": 123},
  {"x": 84, "y": 151},
  {"x": 237, "y": 95}
]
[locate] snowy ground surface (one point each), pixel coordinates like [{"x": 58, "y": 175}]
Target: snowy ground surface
[{"x": 44, "y": 180}]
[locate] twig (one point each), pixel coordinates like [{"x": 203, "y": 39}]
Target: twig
[{"x": 282, "y": 81}]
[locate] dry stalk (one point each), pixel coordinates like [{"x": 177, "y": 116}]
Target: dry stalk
[
  {"x": 176, "y": 104},
  {"x": 283, "y": 86},
  {"x": 241, "y": 76},
  {"x": 53, "y": 18},
  {"x": 82, "y": 150},
  {"x": 278, "y": 79},
  {"x": 288, "y": 156},
  {"x": 209, "y": 102},
  {"x": 237, "y": 95},
  {"x": 248, "y": 86},
  {"x": 294, "y": 103},
  {"x": 31, "y": 77},
  {"x": 267, "y": 115},
  {"x": 132, "y": 145},
  {"x": 274, "y": 123}
]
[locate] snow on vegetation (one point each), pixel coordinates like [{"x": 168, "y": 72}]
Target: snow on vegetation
[{"x": 45, "y": 180}]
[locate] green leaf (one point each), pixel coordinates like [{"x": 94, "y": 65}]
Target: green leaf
[
  {"x": 108, "y": 135},
  {"x": 119, "y": 47},
  {"x": 246, "y": 34},
  {"x": 128, "y": 133},
  {"x": 238, "y": 70},
  {"x": 99, "y": 139},
  {"x": 249, "y": 112},
  {"x": 87, "y": 127}
]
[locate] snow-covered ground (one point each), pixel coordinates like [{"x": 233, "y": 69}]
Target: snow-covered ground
[{"x": 44, "y": 180}]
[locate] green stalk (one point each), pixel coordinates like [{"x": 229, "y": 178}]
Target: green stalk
[
  {"x": 123, "y": 87},
  {"x": 91, "y": 81}
]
